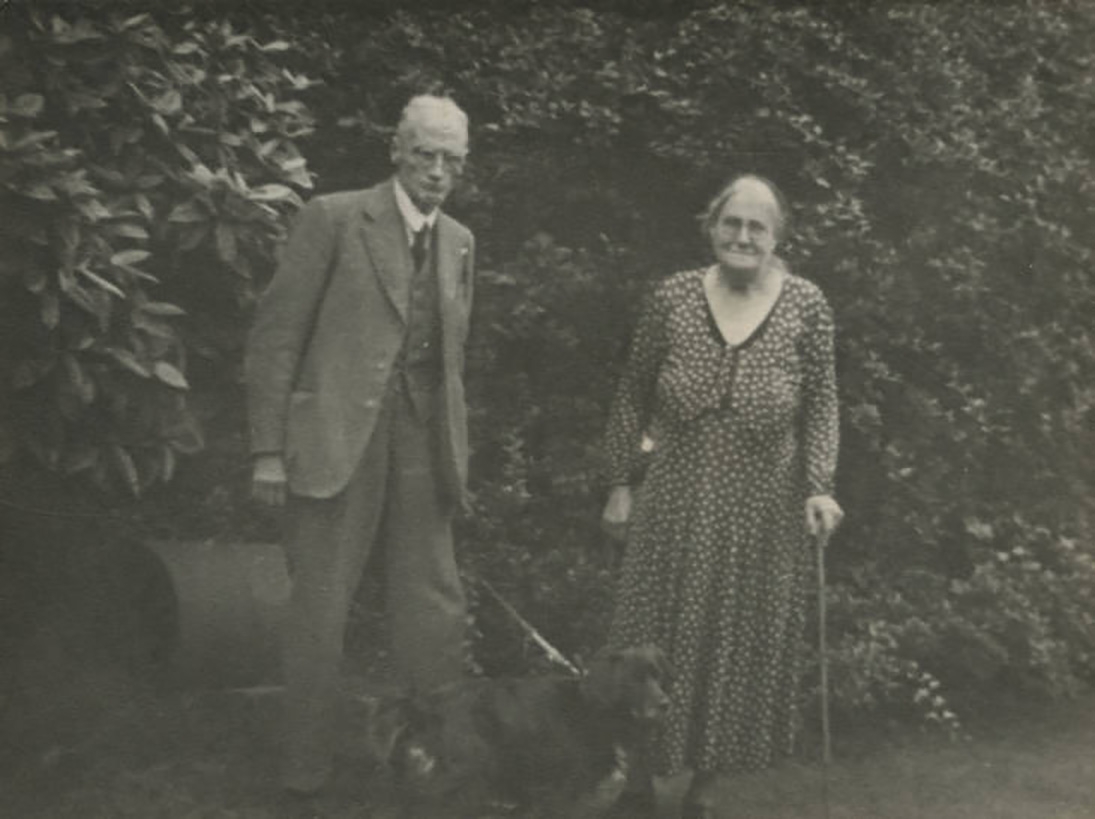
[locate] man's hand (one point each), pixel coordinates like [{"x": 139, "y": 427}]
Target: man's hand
[
  {"x": 268, "y": 480},
  {"x": 617, "y": 512},
  {"x": 823, "y": 515}
]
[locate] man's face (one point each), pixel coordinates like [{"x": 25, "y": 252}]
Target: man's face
[{"x": 429, "y": 157}]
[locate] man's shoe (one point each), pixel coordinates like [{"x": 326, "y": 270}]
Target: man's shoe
[{"x": 294, "y": 803}]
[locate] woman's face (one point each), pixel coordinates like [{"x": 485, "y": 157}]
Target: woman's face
[{"x": 743, "y": 236}]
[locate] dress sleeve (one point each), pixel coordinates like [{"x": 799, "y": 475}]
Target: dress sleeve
[
  {"x": 633, "y": 406},
  {"x": 821, "y": 420}
]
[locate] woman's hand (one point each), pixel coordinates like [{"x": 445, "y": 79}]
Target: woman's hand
[
  {"x": 823, "y": 515},
  {"x": 617, "y": 512}
]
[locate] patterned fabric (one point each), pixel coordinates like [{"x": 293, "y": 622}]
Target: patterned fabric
[{"x": 718, "y": 560}]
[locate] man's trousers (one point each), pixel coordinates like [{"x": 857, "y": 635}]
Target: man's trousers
[{"x": 394, "y": 499}]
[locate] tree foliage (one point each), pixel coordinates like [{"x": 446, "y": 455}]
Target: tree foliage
[
  {"x": 146, "y": 168},
  {"x": 939, "y": 164}
]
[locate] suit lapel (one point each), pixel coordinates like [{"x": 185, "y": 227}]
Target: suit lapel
[
  {"x": 448, "y": 259},
  {"x": 386, "y": 239},
  {"x": 449, "y": 271}
]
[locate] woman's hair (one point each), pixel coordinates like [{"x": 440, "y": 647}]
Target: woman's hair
[{"x": 715, "y": 206}]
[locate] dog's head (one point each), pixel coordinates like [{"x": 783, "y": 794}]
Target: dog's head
[{"x": 633, "y": 681}]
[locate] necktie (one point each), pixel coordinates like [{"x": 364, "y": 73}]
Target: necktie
[{"x": 418, "y": 247}]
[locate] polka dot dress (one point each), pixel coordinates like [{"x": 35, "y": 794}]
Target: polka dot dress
[{"x": 718, "y": 559}]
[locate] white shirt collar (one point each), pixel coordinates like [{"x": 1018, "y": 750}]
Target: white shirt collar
[{"x": 413, "y": 218}]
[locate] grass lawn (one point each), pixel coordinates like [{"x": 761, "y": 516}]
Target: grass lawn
[
  {"x": 105, "y": 748},
  {"x": 85, "y": 738},
  {"x": 1037, "y": 765}
]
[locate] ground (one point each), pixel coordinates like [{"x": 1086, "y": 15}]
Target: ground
[{"x": 90, "y": 732}]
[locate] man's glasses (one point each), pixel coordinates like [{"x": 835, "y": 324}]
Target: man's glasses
[{"x": 453, "y": 163}]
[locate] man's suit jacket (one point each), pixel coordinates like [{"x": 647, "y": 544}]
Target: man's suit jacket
[{"x": 329, "y": 327}]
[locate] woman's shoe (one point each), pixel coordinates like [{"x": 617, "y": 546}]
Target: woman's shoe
[
  {"x": 639, "y": 799},
  {"x": 634, "y": 805},
  {"x": 699, "y": 801}
]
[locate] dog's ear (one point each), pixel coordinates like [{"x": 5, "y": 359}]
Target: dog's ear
[{"x": 601, "y": 683}]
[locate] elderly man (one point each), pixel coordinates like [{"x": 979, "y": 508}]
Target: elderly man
[{"x": 358, "y": 421}]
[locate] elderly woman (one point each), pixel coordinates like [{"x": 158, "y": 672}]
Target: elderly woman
[{"x": 732, "y": 365}]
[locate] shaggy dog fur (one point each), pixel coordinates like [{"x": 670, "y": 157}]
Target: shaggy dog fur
[{"x": 553, "y": 745}]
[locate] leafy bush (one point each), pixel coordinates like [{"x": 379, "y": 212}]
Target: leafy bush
[
  {"x": 939, "y": 176},
  {"x": 145, "y": 168},
  {"x": 939, "y": 165}
]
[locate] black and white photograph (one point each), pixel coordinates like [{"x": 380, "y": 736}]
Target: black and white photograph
[{"x": 547, "y": 409}]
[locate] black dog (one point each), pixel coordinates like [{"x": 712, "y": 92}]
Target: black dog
[{"x": 553, "y": 745}]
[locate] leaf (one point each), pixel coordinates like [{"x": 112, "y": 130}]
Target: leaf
[
  {"x": 125, "y": 258},
  {"x": 169, "y": 461},
  {"x": 188, "y": 212},
  {"x": 67, "y": 35},
  {"x": 154, "y": 327},
  {"x": 169, "y": 102},
  {"x": 33, "y": 140},
  {"x": 184, "y": 436},
  {"x": 80, "y": 461},
  {"x": 93, "y": 210},
  {"x": 102, "y": 283},
  {"x": 41, "y": 192},
  {"x": 979, "y": 529},
  {"x": 31, "y": 371},
  {"x": 136, "y": 20},
  {"x": 82, "y": 386},
  {"x": 128, "y": 360},
  {"x": 170, "y": 375},
  {"x": 34, "y": 278},
  {"x": 162, "y": 308},
  {"x": 301, "y": 177},
  {"x": 201, "y": 173},
  {"x": 272, "y": 193},
  {"x": 275, "y": 45},
  {"x": 144, "y": 205},
  {"x": 50, "y": 310},
  {"x": 127, "y": 230},
  {"x": 190, "y": 236},
  {"x": 226, "y": 243},
  {"x": 78, "y": 101},
  {"x": 125, "y": 466},
  {"x": 27, "y": 105}
]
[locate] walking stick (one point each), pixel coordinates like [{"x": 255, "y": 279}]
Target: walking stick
[{"x": 826, "y": 739}]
